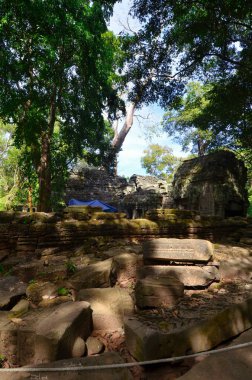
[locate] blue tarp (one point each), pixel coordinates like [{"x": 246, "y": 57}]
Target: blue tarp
[{"x": 104, "y": 206}]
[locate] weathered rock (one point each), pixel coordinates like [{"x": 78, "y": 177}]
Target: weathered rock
[
  {"x": 56, "y": 334},
  {"x": 93, "y": 276},
  {"x": 78, "y": 374},
  {"x": 214, "y": 184},
  {"x": 230, "y": 365},
  {"x": 109, "y": 306},
  {"x": 44, "y": 335},
  {"x": 147, "y": 343},
  {"x": 39, "y": 291},
  {"x": 11, "y": 290},
  {"x": 79, "y": 348},
  {"x": 158, "y": 291},
  {"x": 190, "y": 276},
  {"x": 94, "y": 346},
  {"x": 181, "y": 250},
  {"x": 124, "y": 268}
]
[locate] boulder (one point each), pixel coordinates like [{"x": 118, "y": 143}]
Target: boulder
[
  {"x": 178, "y": 250},
  {"x": 148, "y": 343},
  {"x": 158, "y": 291},
  {"x": 11, "y": 290},
  {"x": 94, "y": 346},
  {"x": 56, "y": 335},
  {"x": 44, "y": 335},
  {"x": 191, "y": 276},
  {"x": 77, "y": 371},
  {"x": 109, "y": 306},
  {"x": 93, "y": 276}
]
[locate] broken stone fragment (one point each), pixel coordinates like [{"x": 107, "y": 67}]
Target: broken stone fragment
[{"x": 109, "y": 306}]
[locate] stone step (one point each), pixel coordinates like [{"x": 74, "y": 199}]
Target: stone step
[{"x": 191, "y": 276}]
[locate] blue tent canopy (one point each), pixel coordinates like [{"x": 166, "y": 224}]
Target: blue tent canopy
[{"x": 96, "y": 203}]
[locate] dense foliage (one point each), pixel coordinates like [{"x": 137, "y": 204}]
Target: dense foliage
[
  {"x": 56, "y": 68},
  {"x": 184, "y": 39},
  {"x": 160, "y": 161}
]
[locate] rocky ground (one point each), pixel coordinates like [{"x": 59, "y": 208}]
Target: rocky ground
[{"x": 235, "y": 286}]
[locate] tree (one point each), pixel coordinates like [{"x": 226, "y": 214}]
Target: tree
[
  {"x": 180, "y": 40},
  {"x": 56, "y": 69},
  {"x": 180, "y": 120},
  {"x": 160, "y": 161}
]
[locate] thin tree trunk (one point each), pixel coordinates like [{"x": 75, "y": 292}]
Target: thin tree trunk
[
  {"x": 119, "y": 138},
  {"x": 44, "y": 174}
]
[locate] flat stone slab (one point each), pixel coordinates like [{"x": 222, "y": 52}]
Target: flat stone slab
[
  {"x": 11, "y": 289},
  {"x": 158, "y": 291},
  {"x": 181, "y": 250},
  {"x": 109, "y": 306},
  {"x": 232, "y": 365},
  {"x": 146, "y": 343},
  {"x": 190, "y": 276},
  {"x": 95, "y": 374}
]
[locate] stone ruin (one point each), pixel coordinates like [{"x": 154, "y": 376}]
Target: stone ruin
[{"x": 212, "y": 185}]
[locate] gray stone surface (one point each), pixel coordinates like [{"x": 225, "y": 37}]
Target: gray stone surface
[
  {"x": 11, "y": 289},
  {"x": 232, "y": 365},
  {"x": 185, "y": 250},
  {"x": 94, "y": 374},
  {"x": 109, "y": 306},
  {"x": 93, "y": 276},
  {"x": 158, "y": 292},
  {"x": 147, "y": 343},
  {"x": 191, "y": 276}
]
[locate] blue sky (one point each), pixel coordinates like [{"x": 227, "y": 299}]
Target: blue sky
[{"x": 138, "y": 138}]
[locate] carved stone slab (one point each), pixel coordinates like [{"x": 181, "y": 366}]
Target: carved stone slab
[{"x": 181, "y": 250}]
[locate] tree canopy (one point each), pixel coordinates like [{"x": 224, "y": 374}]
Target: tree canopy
[
  {"x": 56, "y": 68},
  {"x": 160, "y": 161},
  {"x": 187, "y": 39}
]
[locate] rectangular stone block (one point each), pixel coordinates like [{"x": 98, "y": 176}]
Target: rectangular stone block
[
  {"x": 148, "y": 343},
  {"x": 189, "y": 275},
  {"x": 154, "y": 292},
  {"x": 177, "y": 250}
]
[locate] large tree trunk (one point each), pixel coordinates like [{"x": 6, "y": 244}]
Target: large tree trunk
[
  {"x": 44, "y": 174},
  {"x": 44, "y": 169}
]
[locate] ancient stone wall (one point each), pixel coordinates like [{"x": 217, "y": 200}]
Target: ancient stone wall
[
  {"x": 211, "y": 185},
  {"x": 134, "y": 197},
  {"x": 28, "y": 234}
]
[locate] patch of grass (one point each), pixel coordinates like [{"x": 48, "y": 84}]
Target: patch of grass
[
  {"x": 62, "y": 291},
  {"x": 71, "y": 267}
]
